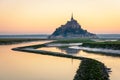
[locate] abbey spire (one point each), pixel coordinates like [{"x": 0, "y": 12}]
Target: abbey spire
[{"x": 72, "y": 17}]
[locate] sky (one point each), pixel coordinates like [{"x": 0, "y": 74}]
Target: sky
[{"x": 44, "y": 16}]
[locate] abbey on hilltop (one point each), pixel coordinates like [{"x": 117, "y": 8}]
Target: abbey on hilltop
[{"x": 71, "y": 29}]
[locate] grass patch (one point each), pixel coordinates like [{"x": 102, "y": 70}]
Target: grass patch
[
  {"x": 79, "y": 40},
  {"x": 107, "y": 45},
  {"x": 90, "y": 69},
  {"x": 16, "y": 40},
  {"x": 33, "y": 46},
  {"x": 92, "y": 44}
]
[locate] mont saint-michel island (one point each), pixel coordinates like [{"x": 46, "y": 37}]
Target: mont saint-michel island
[{"x": 72, "y": 29}]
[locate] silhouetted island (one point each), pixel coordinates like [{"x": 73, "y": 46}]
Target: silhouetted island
[{"x": 72, "y": 29}]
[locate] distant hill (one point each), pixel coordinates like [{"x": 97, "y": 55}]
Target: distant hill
[{"x": 71, "y": 29}]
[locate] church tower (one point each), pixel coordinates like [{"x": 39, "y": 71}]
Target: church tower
[{"x": 72, "y": 17}]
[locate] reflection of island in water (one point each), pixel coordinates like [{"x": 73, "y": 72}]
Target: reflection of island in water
[{"x": 69, "y": 50}]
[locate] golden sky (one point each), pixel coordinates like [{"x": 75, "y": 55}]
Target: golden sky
[{"x": 44, "y": 16}]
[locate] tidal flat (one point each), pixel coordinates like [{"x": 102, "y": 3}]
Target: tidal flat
[
  {"x": 89, "y": 70},
  {"x": 35, "y": 47}
]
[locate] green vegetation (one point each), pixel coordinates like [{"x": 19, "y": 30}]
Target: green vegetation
[
  {"x": 92, "y": 44},
  {"x": 79, "y": 40},
  {"x": 15, "y": 40},
  {"x": 107, "y": 45},
  {"x": 33, "y": 46},
  {"x": 90, "y": 69}
]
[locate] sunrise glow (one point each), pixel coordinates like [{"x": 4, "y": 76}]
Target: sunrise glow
[{"x": 44, "y": 16}]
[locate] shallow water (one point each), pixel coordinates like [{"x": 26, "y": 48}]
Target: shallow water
[
  {"x": 107, "y": 51},
  {"x": 110, "y": 61},
  {"x": 16, "y": 65}
]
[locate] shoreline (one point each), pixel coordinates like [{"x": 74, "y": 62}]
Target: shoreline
[{"x": 10, "y": 41}]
